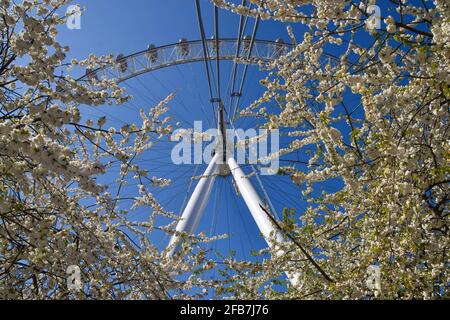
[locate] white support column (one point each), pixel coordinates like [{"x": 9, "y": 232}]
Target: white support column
[
  {"x": 253, "y": 201},
  {"x": 194, "y": 209}
]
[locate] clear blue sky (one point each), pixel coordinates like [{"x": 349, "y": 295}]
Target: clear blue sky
[{"x": 114, "y": 26}]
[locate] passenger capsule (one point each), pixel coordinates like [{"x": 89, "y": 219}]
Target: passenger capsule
[
  {"x": 183, "y": 47},
  {"x": 123, "y": 65},
  {"x": 152, "y": 53},
  {"x": 91, "y": 74},
  {"x": 247, "y": 40},
  {"x": 213, "y": 44},
  {"x": 279, "y": 47}
]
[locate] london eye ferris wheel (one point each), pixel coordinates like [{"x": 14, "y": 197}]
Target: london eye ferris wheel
[{"x": 220, "y": 76}]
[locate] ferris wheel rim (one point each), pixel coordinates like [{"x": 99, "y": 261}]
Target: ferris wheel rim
[{"x": 274, "y": 49}]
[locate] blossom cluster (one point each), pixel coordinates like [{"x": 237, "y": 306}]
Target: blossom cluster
[
  {"x": 54, "y": 212},
  {"x": 372, "y": 124}
]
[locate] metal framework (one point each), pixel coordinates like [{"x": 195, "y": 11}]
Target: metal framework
[{"x": 183, "y": 52}]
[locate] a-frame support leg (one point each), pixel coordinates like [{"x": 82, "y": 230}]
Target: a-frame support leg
[
  {"x": 268, "y": 229},
  {"x": 197, "y": 203}
]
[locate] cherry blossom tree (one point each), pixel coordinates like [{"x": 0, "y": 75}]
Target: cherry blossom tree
[
  {"x": 374, "y": 124},
  {"x": 55, "y": 219}
]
